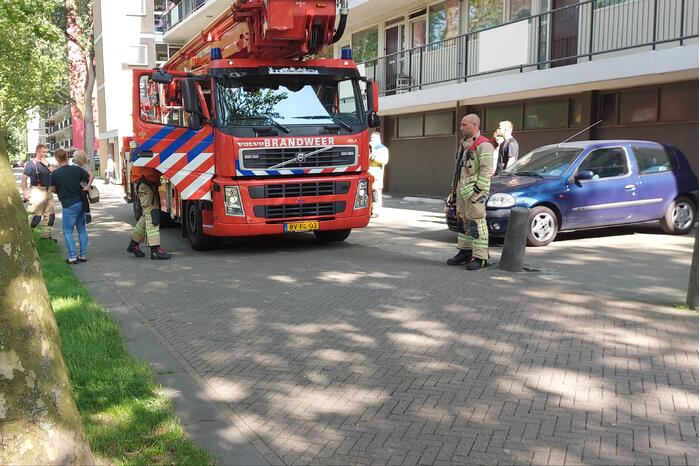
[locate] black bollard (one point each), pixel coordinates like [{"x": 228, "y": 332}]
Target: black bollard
[
  {"x": 691, "y": 299},
  {"x": 513, "y": 256}
]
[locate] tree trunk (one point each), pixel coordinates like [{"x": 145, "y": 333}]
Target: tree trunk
[
  {"x": 39, "y": 421},
  {"x": 88, "y": 119}
]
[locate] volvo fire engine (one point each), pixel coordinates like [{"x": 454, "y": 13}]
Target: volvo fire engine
[{"x": 246, "y": 133}]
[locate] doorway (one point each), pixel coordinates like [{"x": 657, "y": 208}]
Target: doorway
[
  {"x": 392, "y": 40},
  {"x": 564, "y": 35}
]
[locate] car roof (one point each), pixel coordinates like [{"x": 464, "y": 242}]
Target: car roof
[{"x": 602, "y": 143}]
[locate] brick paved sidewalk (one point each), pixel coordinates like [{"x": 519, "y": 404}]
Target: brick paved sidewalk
[{"x": 352, "y": 354}]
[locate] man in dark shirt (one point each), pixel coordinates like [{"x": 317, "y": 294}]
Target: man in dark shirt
[
  {"x": 508, "y": 151},
  {"x": 40, "y": 201},
  {"x": 65, "y": 181}
]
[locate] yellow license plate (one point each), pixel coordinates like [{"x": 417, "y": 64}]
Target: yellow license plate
[{"x": 301, "y": 226}]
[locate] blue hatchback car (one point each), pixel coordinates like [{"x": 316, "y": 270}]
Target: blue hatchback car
[{"x": 593, "y": 184}]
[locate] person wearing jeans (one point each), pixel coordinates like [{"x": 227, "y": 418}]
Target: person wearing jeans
[
  {"x": 66, "y": 182},
  {"x": 74, "y": 217}
]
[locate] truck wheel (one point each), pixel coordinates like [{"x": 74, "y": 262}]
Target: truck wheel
[
  {"x": 332, "y": 235},
  {"x": 198, "y": 240},
  {"x": 680, "y": 217},
  {"x": 543, "y": 226}
]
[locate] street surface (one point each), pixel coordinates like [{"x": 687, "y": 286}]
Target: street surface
[{"x": 373, "y": 351}]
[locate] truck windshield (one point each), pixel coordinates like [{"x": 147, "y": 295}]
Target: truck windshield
[{"x": 283, "y": 101}]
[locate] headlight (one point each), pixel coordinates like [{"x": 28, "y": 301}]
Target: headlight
[
  {"x": 501, "y": 201},
  {"x": 232, "y": 201},
  {"x": 362, "y": 197}
]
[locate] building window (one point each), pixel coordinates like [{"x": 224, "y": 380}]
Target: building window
[
  {"x": 365, "y": 45},
  {"x": 498, "y": 113},
  {"x": 639, "y": 106},
  {"x": 437, "y": 124},
  {"x": 418, "y": 28},
  {"x": 679, "y": 102},
  {"x": 484, "y": 14},
  {"x": 443, "y": 21},
  {"x": 410, "y": 126},
  {"x": 547, "y": 114},
  {"x": 162, "y": 52},
  {"x": 608, "y": 109},
  {"x": 520, "y": 9},
  {"x": 576, "y": 111},
  {"x": 136, "y": 55}
]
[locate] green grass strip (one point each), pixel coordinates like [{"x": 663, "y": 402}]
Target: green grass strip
[{"x": 127, "y": 419}]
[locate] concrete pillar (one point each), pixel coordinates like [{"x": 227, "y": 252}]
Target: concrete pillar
[
  {"x": 692, "y": 298},
  {"x": 513, "y": 256}
]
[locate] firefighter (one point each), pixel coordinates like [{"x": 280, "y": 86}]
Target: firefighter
[
  {"x": 40, "y": 205},
  {"x": 475, "y": 157},
  {"x": 147, "y": 229}
]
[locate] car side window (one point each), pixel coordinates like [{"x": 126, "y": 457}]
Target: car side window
[
  {"x": 606, "y": 163},
  {"x": 654, "y": 160}
]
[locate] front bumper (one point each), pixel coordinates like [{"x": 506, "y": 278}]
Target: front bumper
[{"x": 496, "y": 219}]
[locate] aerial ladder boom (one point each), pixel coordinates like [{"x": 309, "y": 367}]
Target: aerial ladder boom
[{"x": 265, "y": 29}]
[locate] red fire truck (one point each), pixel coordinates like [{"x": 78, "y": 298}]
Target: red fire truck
[{"x": 246, "y": 134}]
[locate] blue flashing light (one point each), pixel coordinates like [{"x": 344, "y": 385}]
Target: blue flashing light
[
  {"x": 346, "y": 54},
  {"x": 215, "y": 53}
]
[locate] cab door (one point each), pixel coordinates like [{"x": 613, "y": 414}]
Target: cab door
[
  {"x": 608, "y": 198},
  {"x": 165, "y": 146}
]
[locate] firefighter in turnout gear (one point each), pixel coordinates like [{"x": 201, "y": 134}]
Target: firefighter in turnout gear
[
  {"x": 475, "y": 158},
  {"x": 147, "y": 229}
]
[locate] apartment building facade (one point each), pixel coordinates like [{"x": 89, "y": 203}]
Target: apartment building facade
[
  {"x": 128, "y": 35},
  {"x": 552, "y": 67}
]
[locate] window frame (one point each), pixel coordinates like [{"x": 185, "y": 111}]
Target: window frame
[{"x": 672, "y": 156}]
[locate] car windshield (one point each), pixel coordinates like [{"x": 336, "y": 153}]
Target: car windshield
[
  {"x": 544, "y": 162},
  {"x": 285, "y": 100}
]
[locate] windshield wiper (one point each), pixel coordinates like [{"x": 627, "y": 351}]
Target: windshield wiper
[
  {"x": 335, "y": 120},
  {"x": 529, "y": 174},
  {"x": 266, "y": 118}
]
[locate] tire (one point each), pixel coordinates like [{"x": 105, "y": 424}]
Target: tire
[
  {"x": 543, "y": 228},
  {"x": 680, "y": 217},
  {"x": 198, "y": 240},
  {"x": 332, "y": 235}
]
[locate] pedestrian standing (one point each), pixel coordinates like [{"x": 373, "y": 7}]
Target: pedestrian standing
[
  {"x": 475, "y": 162},
  {"x": 378, "y": 159},
  {"x": 498, "y": 141},
  {"x": 147, "y": 229},
  {"x": 81, "y": 160},
  {"x": 110, "y": 170},
  {"x": 67, "y": 182},
  {"x": 508, "y": 152},
  {"x": 40, "y": 205}
]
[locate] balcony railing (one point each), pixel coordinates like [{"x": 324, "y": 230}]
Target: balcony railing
[
  {"x": 178, "y": 13},
  {"x": 581, "y": 32}
]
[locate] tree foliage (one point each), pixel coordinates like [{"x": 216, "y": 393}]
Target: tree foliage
[{"x": 32, "y": 57}]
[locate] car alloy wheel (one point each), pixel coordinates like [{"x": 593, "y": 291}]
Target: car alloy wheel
[
  {"x": 543, "y": 227},
  {"x": 682, "y": 215}
]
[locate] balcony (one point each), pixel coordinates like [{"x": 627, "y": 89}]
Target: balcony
[
  {"x": 579, "y": 33},
  {"x": 186, "y": 19}
]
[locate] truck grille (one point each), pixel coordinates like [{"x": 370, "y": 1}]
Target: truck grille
[
  {"x": 264, "y": 159},
  {"x": 326, "y": 188},
  {"x": 299, "y": 210}
]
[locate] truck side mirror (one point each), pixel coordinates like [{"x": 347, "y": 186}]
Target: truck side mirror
[
  {"x": 190, "y": 97},
  {"x": 372, "y": 104}
]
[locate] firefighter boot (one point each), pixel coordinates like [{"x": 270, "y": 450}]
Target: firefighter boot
[
  {"x": 476, "y": 264},
  {"x": 135, "y": 249},
  {"x": 158, "y": 253},
  {"x": 462, "y": 257}
]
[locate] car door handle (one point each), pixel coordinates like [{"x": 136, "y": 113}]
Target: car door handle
[{"x": 630, "y": 187}]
